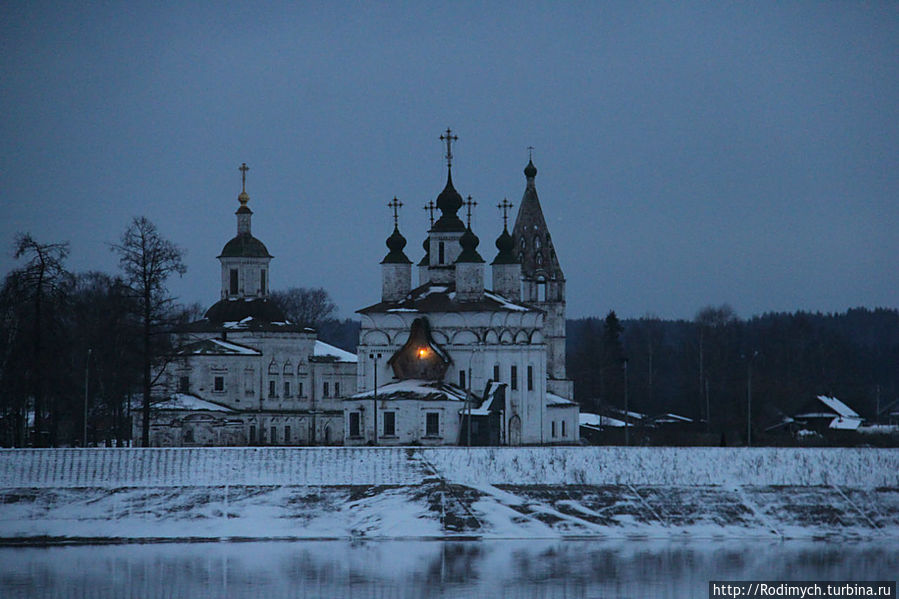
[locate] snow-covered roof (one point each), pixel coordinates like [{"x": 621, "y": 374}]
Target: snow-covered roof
[
  {"x": 186, "y": 401},
  {"x": 433, "y": 298},
  {"x": 669, "y": 417},
  {"x": 217, "y": 347},
  {"x": 597, "y": 421},
  {"x": 557, "y": 400},
  {"x": 416, "y": 389},
  {"x": 323, "y": 350},
  {"x": 837, "y": 406},
  {"x": 846, "y": 424}
]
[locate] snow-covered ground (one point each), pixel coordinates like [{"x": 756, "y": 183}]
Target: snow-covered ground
[{"x": 419, "y": 492}]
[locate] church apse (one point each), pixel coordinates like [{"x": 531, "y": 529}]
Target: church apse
[{"x": 420, "y": 357}]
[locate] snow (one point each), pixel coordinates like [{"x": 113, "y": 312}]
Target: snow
[
  {"x": 218, "y": 346},
  {"x": 597, "y": 421},
  {"x": 355, "y": 493},
  {"x": 185, "y": 401},
  {"x": 837, "y": 406},
  {"x": 556, "y": 400},
  {"x": 848, "y": 424},
  {"x": 323, "y": 349},
  {"x": 402, "y": 310},
  {"x": 415, "y": 389},
  {"x": 505, "y": 303}
]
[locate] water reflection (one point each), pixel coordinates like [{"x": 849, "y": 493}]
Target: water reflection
[{"x": 546, "y": 569}]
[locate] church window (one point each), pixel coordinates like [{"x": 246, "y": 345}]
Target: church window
[
  {"x": 219, "y": 384},
  {"x": 355, "y": 424},
  {"x": 337, "y": 389},
  {"x": 326, "y": 389},
  {"x": 440, "y": 252},
  {"x": 274, "y": 436},
  {"x": 496, "y": 372},
  {"x": 271, "y": 389},
  {"x": 233, "y": 283},
  {"x": 286, "y": 388},
  {"x": 530, "y": 378},
  {"x": 300, "y": 389},
  {"x": 563, "y": 429},
  {"x": 541, "y": 290},
  {"x": 286, "y": 435},
  {"x": 462, "y": 378},
  {"x": 537, "y": 242},
  {"x": 432, "y": 424},
  {"x": 513, "y": 377},
  {"x": 539, "y": 259},
  {"x": 252, "y": 434},
  {"x": 554, "y": 429},
  {"x": 262, "y": 281},
  {"x": 389, "y": 424},
  {"x": 524, "y": 244},
  {"x": 272, "y": 367},
  {"x": 184, "y": 384},
  {"x": 288, "y": 368}
]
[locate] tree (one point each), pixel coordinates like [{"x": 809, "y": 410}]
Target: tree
[
  {"x": 147, "y": 261},
  {"x": 305, "y": 306},
  {"x": 613, "y": 359},
  {"x": 41, "y": 280}
]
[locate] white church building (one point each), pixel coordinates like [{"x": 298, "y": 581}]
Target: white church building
[
  {"x": 450, "y": 361},
  {"x": 243, "y": 374}
]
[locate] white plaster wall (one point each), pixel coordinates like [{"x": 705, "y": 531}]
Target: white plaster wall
[
  {"x": 411, "y": 419},
  {"x": 396, "y": 281}
]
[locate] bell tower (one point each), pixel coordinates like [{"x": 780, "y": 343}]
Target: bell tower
[{"x": 543, "y": 283}]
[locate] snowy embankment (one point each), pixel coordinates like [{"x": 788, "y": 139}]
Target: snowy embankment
[{"x": 94, "y": 494}]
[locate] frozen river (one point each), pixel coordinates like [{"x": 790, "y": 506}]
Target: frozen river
[{"x": 546, "y": 569}]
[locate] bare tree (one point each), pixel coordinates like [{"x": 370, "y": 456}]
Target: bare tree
[
  {"x": 147, "y": 261},
  {"x": 305, "y": 306},
  {"x": 42, "y": 278}
]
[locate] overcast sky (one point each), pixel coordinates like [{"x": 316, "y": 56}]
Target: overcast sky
[{"x": 688, "y": 154}]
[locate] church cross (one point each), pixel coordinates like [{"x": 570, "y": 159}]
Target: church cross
[
  {"x": 243, "y": 176},
  {"x": 469, "y": 204},
  {"x": 449, "y": 138},
  {"x": 505, "y": 205},
  {"x": 530, "y": 153},
  {"x": 430, "y": 208},
  {"x": 395, "y": 204}
]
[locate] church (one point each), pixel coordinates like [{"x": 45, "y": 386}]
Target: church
[
  {"x": 244, "y": 374},
  {"x": 452, "y": 362}
]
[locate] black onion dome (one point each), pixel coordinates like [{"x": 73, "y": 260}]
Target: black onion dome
[
  {"x": 530, "y": 171},
  {"x": 426, "y": 245},
  {"x": 506, "y": 246},
  {"x": 261, "y": 309},
  {"x": 469, "y": 242},
  {"x": 449, "y": 201},
  {"x": 245, "y": 246},
  {"x": 395, "y": 243}
]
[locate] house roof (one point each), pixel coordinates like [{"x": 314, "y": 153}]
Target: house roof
[
  {"x": 323, "y": 351},
  {"x": 557, "y": 401},
  {"x": 189, "y": 402},
  {"x": 837, "y": 406},
  {"x": 417, "y": 390},
  {"x": 217, "y": 347},
  {"x": 435, "y": 297}
]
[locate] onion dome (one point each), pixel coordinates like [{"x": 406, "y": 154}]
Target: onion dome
[
  {"x": 426, "y": 245},
  {"x": 395, "y": 243},
  {"x": 506, "y": 246},
  {"x": 448, "y": 202},
  {"x": 469, "y": 242},
  {"x": 530, "y": 171}
]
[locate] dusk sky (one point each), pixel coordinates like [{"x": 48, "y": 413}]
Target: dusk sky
[{"x": 688, "y": 153}]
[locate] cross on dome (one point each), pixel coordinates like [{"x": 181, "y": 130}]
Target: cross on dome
[
  {"x": 243, "y": 168},
  {"x": 505, "y": 206},
  {"x": 469, "y": 204},
  {"x": 449, "y": 138},
  {"x": 395, "y": 204},
  {"x": 430, "y": 207}
]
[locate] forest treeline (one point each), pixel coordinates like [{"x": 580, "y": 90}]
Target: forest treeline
[{"x": 707, "y": 368}]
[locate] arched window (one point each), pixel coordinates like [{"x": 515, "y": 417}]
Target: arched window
[
  {"x": 523, "y": 244},
  {"x": 288, "y": 368},
  {"x": 273, "y": 367},
  {"x": 541, "y": 290},
  {"x": 539, "y": 259},
  {"x": 537, "y": 242}
]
